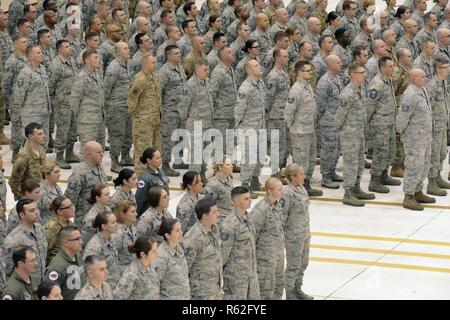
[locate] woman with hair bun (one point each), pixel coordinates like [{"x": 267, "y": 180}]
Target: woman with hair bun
[
  {"x": 127, "y": 233},
  {"x": 192, "y": 183},
  {"x": 99, "y": 199},
  {"x": 139, "y": 280},
  {"x": 334, "y": 23},
  {"x": 125, "y": 182},
  {"x": 152, "y": 176}
]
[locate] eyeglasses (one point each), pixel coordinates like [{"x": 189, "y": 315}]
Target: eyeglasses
[
  {"x": 359, "y": 72},
  {"x": 69, "y": 207},
  {"x": 309, "y": 70},
  {"x": 74, "y": 239},
  {"x": 256, "y": 47}
]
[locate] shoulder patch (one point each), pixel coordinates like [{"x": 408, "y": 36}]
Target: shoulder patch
[
  {"x": 7, "y": 297},
  {"x": 181, "y": 215},
  {"x": 343, "y": 104},
  {"x": 224, "y": 236},
  {"x": 405, "y": 108},
  {"x": 53, "y": 276},
  {"x": 346, "y": 81},
  {"x": 141, "y": 184},
  {"x": 290, "y": 99},
  {"x": 269, "y": 85},
  {"x": 20, "y": 82},
  {"x": 373, "y": 94},
  {"x": 184, "y": 92},
  {"x": 135, "y": 90},
  {"x": 241, "y": 95},
  {"x": 73, "y": 184}
]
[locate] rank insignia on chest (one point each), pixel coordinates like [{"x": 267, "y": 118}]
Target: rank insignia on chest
[
  {"x": 373, "y": 94},
  {"x": 291, "y": 100},
  {"x": 241, "y": 95},
  {"x": 405, "y": 108}
]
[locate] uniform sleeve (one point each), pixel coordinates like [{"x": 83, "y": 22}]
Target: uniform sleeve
[
  {"x": 109, "y": 81},
  {"x": 215, "y": 86},
  {"x": 240, "y": 107},
  {"x": 161, "y": 266},
  {"x": 141, "y": 196},
  {"x": 55, "y": 276},
  {"x": 134, "y": 94},
  {"x": 211, "y": 193},
  {"x": 271, "y": 87},
  {"x": 290, "y": 109},
  {"x": 227, "y": 235},
  {"x": 17, "y": 175},
  {"x": 184, "y": 105},
  {"x": 7, "y": 81},
  {"x": 258, "y": 217},
  {"x": 54, "y": 76},
  {"x": 144, "y": 227},
  {"x": 76, "y": 95},
  {"x": 341, "y": 113},
  {"x": 8, "y": 248},
  {"x": 20, "y": 89},
  {"x": 404, "y": 113},
  {"x": 374, "y": 96},
  {"x": 74, "y": 187},
  {"x": 163, "y": 80},
  {"x": 321, "y": 93},
  {"x": 191, "y": 248},
  {"x": 124, "y": 287}
]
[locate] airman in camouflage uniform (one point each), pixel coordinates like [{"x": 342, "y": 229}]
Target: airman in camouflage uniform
[
  {"x": 15, "y": 12},
  {"x": 82, "y": 179},
  {"x": 137, "y": 283},
  {"x": 224, "y": 93},
  {"x": 87, "y": 230},
  {"x": 125, "y": 236},
  {"x": 145, "y": 106},
  {"x": 117, "y": 81},
  {"x": 103, "y": 247},
  {"x": 185, "y": 210},
  {"x": 415, "y": 124},
  {"x": 33, "y": 236},
  {"x": 240, "y": 280},
  {"x": 107, "y": 51},
  {"x": 202, "y": 249},
  {"x": 261, "y": 34},
  {"x": 300, "y": 115},
  {"x": 219, "y": 189},
  {"x": 149, "y": 222},
  {"x": 89, "y": 292},
  {"x": 62, "y": 73},
  {"x": 381, "y": 109},
  {"x": 48, "y": 194},
  {"x": 425, "y": 60},
  {"x": 87, "y": 101},
  {"x": 52, "y": 227},
  {"x": 267, "y": 218},
  {"x": 173, "y": 272},
  {"x": 172, "y": 80}
]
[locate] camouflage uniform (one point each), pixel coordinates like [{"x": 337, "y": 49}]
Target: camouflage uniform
[
  {"x": 185, "y": 45},
  {"x": 346, "y": 57},
  {"x": 52, "y": 227},
  {"x": 322, "y": 16},
  {"x": 264, "y": 41},
  {"x": 17, "y": 289},
  {"x": 297, "y": 236},
  {"x": 62, "y": 75},
  {"x": 238, "y": 53},
  {"x": 107, "y": 52},
  {"x": 249, "y": 113},
  {"x": 121, "y": 195},
  {"x": 145, "y": 106},
  {"x": 189, "y": 62},
  {"x": 224, "y": 93},
  {"x": 371, "y": 68},
  {"x": 88, "y": 292},
  {"x": 438, "y": 91},
  {"x": 241, "y": 75},
  {"x": 173, "y": 272},
  {"x": 122, "y": 239},
  {"x": 148, "y": 179},
  {"x": 14, "y": 220},
  {"x": 148, "y": 224},
  {"x": 362, "y": 40},
  {"x": 87, "y": 101},
  {"x": 350, "y": 124},
  {"x": 32, "y": 99},
  {"x": 320, "y": 65},
  {"x": 418, "y": 17},
  {"x": 425, "y": 64},
  {"x": 68, "y": 272},
  {"x": 35, "y": 238},
  {"x": 3, "y": 189},
  {"x": 300, "y": 117},
  {"x": 196, "y": 104},
  {"x": 213, "y": 59},
  {"x": 328, "y": 89},
  {"x": 314, "y": 40},
  {"x": 381, "y": 109},
  {"x": 267, "y": 219},
  {"x": 87, "y": 230},
  {"x": 79, "y": 186},
  {"x": 219, "y": 189},
  {"x": 49, "y": 55},
  {"x": 172, "y": 80},
  {"x": 28, "y": 165},
  {"x": 411, "y": 45},
  {"x": 277, "y": 90},
  {"x": 202, "y": 249},
  {"x": 137, "y": 283},
  {"x": 104, "y": 248},
  {"x": 240, "y": 279},
  {"x": 117, "y": 81},
  {"x": 415, "y": 124},
  {"x": 351, "y": 24},
  {"x": 48, "y": 194},
  {"x": 15, "y": 12},
  {"x": 185, "y": 210}
]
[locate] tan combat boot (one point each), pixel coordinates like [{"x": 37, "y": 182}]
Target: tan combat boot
[
  {"x": 421, "y": 198},
  {"x": 409, "y": 202},
  {"x": 397, "y": 172},
  {"x": 434, "y": 189}
]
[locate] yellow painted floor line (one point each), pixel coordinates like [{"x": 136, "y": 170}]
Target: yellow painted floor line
[
  {"x": 380, "y": 264},
  {"x": 382, "y": 251},
  {"x": 375, "y": 238}
]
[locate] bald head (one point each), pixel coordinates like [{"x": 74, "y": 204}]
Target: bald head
[
  {"x": 122, "y": 50},
  {"x": 334, "y": 63},
  {"x": 282, "y": 15},
  {"x": 418, "y": 77},
  {"x": 198, "y": 43},
  {"x": 378, "y": 48},
  {"x": 314, "y": 25},
  {"x": 262, "y": 21},
  {"x": 443, "y": 37},
  {"x": 409, "y": 23},
  {"x": 93, "y": 153},
  {"x": 142, "y": 24}
]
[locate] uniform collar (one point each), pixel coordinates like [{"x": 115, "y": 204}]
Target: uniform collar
[{"x": 173, "y": 252}]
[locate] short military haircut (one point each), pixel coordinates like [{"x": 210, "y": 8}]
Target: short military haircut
[
  {"x": 138, "y": 39},
  {"x": 363, "y": 22},
  {"x": 169, "y": 48},
  {"x": 300, "y": 65},
  {"x": 221, "y": 52},
  {"x": 42, "y": 32},
  {"x": 425, "y": 42},
  {"x": 20, "y": 205},
  {"x": 21, "y": 21},
  {"x": 339, "y": 33},
  {"x": 165, "y": 13},
  {"x": 91, "y": 260},
  {"x": 302, "y": 44},
  {"x": 114, "y": 12},
  {"x": 60, "y": 42},
  {"x": 170, "y": 28},
  {"x": 358, "y": 50},
  {"x": 217, "y": 36},
  {"x": 87, "y": 54},
  {"x": 30, "y": 48},
  {"x": 280, "y": 35},
  {"x": 401, "y": 53},
  {"x": 17, "y": 38},
  {"x": 201, "y": 62},
  {"x": 416, "y": 2},
  {"x": 203, "y": 206},
  {"x": 276, "y": 53},
  {"x": 383, "y": 60},
  {"x": 188, "y": 7},
  {"x": 347, "y": 3},
  {"x": 161, "y": 2},
  {"x": 385, "y": 33},
  {"x": 428, "y": 16},
  {"x": 240, "y": 26},
  {"x": 65, "y": 232},
  {"x": 353, "y": 67},
  {"x": 144, "y": 59},
  {"x": 29, "y": 128},
  {"x": 322, "y": 39},
  {"x": 439, "y": 61},
  {"x": 237, "y": 191},
  {"x": 20, "y": 254},
  {"x": 27, "y": 8},
  {"x": 185, "y": 23},
  {"x": 89, "y": 35}
]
